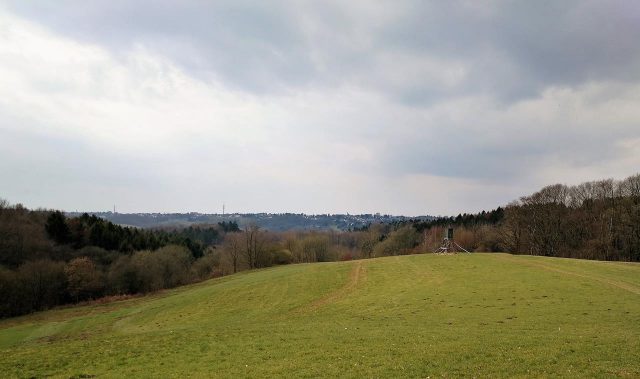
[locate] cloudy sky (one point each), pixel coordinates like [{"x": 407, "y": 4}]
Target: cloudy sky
[{"x": 402, "y": 107}]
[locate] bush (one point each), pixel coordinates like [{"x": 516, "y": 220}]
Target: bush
[
  {"x": 123, "y": 277},
  {"x": 400, "y": 241},
  {"x": 98, "y": 255},
  {"x": 84, "y": 280},
  {"x": 8, "y": 292},
  {"x": 316, "y": 248},
  {"x": 346, "y": 256},
  {"x": 174, "y": 263},
  {"x": 40, "y": 285},
  {"x": 204, "y": 267},
  {"x": 217, "y": 273},
  {"x": 282, "y": 257},
  {"x": 148, "y": 271}
]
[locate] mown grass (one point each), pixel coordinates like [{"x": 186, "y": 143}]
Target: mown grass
[{"x": 487, "y": 315}]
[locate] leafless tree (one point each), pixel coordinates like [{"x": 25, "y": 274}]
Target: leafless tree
[
  {"x": 254, "y": 244},
  {"x": 232, "y": 247}
]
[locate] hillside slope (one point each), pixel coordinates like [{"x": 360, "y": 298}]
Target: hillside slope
[{"x": 417, "y": 316}]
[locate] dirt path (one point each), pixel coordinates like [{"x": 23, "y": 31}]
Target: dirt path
[
  {"x": 356, "y": 276},
  {"x": 612, "y": 282}
]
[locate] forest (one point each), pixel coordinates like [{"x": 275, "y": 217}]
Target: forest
[{"x": 48, "y": 259}]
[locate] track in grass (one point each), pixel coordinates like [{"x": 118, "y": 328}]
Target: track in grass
[
  {"x": 355, "y": 276},
  {"x": 416, "y": 316}
]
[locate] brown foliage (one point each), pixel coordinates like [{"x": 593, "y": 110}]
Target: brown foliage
[{"x": 84, "y": 280}]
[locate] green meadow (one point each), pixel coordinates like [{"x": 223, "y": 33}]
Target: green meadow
[{"x": 485, "y": 315}]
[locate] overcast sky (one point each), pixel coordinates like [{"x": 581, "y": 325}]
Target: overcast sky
[{"x": 313, "y": 106}]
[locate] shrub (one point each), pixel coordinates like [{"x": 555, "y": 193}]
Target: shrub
[
  {"x": 7, "y": 292},
  {"x": 84, "y": 280},
  {"x": 316, "y": 248},
  {"x": 40, "y": 285},
  {"x": 400, "y": 241},
  {"x": 123, "y": 277},
  {"x": 174, "y": 263},
  {"x": 346, "y": 256},
  {"x": 204, "y": 267},
  {"x": 282, "y": 257}
]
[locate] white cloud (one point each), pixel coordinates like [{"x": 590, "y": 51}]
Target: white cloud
[{"x": 85, "y": 126}]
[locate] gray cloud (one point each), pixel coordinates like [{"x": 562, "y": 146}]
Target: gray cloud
[
  {"x": 253, "y": 46},
  {"x": 516, "y": 49},
  {"x": 508, "y": 49}
]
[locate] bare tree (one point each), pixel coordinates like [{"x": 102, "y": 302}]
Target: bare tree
[
  {"x": 233, "y": 249},
  {"x": 631, "y": 186},
  {"x": 512, "y": 230},
  {"x": 254, "y": 244},
  {"x": 546, "y": 210},
  {"x": 3, "y": 204}
]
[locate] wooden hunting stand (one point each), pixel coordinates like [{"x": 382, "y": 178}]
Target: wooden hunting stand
[{"x": 449, "y": 246}]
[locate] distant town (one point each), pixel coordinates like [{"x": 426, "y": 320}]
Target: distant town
[{"x": 267, "y": 221}]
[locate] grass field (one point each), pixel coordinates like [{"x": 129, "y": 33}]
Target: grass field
[{"x": 487, "y": 315}]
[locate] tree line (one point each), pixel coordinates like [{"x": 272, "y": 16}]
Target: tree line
[
  {"x": 592, "y": 220},
  {"x": 47, "y": 259}
]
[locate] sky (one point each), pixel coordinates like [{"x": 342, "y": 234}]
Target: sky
[{"x": 397, "y": 107}]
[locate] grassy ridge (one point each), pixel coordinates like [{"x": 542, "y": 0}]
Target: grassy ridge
[{"x": 418, "y": 316}]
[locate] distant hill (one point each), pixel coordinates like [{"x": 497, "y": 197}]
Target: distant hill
[{"x": 268, "y": 221}]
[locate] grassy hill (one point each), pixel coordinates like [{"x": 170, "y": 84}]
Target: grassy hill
[{"x": 416, "y": 316}]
